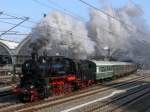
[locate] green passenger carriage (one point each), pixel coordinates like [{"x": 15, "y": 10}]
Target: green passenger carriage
[{"x": 111, "y": 69}]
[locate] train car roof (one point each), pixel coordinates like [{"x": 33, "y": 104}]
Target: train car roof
[{"x": 110, "y": 63}]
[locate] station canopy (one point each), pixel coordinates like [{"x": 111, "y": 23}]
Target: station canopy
[{"x": 9, "y": 44}]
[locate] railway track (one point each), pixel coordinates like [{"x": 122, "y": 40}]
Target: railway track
[
  {"x": 116, "y": 104},
  {"x": 141, "y": 108},
  {"x": 62, "y": 99}
]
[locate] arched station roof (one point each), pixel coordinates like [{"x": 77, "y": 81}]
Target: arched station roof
[
  {"x": 10, "y": 44},
  {"x": 7, "y": 48},
  {"x": 23, "y": 47}
]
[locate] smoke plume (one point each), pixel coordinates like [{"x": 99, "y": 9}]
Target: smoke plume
[
  {"x": 126, "y": 37},
  {"x": 59, "y": 33}
]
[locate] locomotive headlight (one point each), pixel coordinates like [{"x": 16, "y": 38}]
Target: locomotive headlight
[{"x": 31, "y": 86}]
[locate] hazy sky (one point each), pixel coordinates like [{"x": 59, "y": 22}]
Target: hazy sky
[{"x": 35, "y": 11}]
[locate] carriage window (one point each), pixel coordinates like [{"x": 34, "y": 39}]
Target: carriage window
[
  {"x": 102, "y": 69},
  {"x": 109, "y": 68},
  {"x": 98, "y": 69}
]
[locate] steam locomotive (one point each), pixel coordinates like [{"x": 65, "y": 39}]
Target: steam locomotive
[{"x": 46, "y": 76}]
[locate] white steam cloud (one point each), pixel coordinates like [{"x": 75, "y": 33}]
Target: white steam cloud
[
  {"x": 127, "y": 39},
  {"x": 59, "y": 33}
]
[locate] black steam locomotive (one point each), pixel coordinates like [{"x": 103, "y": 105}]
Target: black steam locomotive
[{"x": 46, "y": 76}]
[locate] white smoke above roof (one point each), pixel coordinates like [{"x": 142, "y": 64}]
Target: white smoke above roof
[
  {"x": 62, "y": 34},
  {"x": 106, "y": 31},
  {"x": 127, "y": 38}
]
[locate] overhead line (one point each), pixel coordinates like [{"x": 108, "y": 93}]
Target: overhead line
[
  {"x": 16, "y": 24},
  {"x": 47, "y": 6},
  {"x": 16, "y": 34},
  {"x": 99, "y": 10},
  {"x": 57, "y": 5},
  {"x": 13, "y": 17},
  {"x": 19, "y": 18},
  {"x": 7, "y": 18},
  {"x": 14, "y": 27}
]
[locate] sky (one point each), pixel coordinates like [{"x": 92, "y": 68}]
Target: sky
[{"x": 34, "y": 9}]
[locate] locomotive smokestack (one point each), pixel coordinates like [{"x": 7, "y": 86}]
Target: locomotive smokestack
[{"x": 34, "y": 54}]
